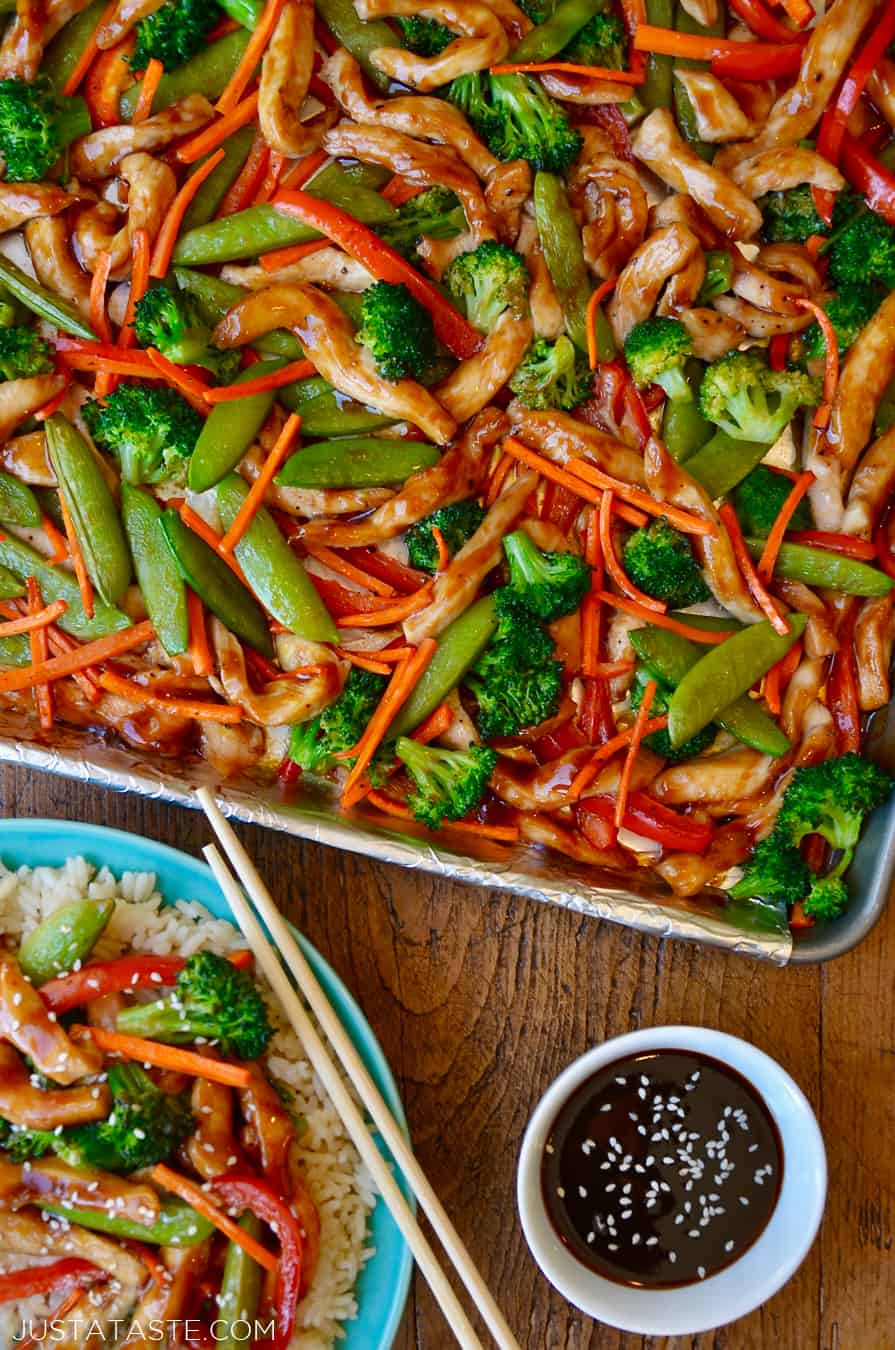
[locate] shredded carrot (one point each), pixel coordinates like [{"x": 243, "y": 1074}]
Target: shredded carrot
[
  {"x": 165, "y": 1056},
  {"x": 213, "y": 136},
  {"x": 444, "y": 554},
  {"x": 285, "y": 257},
  {"x": 588, "y": 771},
  {"x": 148, "y": 90},
  {"x": 167, "y": 235},
  {"x": 136, "y": 364},
  {"x": 55, "y": 403},
  {"x": 80, "y": 658},
  {"x": 573, "y": 482},
  {"x": 199, "y": 1199},
  {"x": 195, "y": 522},
  {"x": 183, "y": 707},
  {"x": 389, "y": 614},
  {"x": 779, "y": 675},
  {"x": 192, "y": 389},
  {"x": 256, "y": 492},
  {"x": 337, "y": 563},
  {"x": 757, "y": 588},
  {"x": 399, "y": 190},
  {"x": 398, "y": 690},
  {"x": 831, "y": 360},
  {"x": 276, "y": 379},
  {"x": 711, "y": 639},
  {"x": 271, "y": 180},
  {"x": 505, "y": 834},
  {"x": 85, "y": 61},
  {"x": 363, "y": 662},
  {"x": 77, "y": 558},
  {"x": 394, "y": 654},
  {"x": 40, "y": 651},
  {"x": 498, "y": 478},
  {"x": 140, "y": 246},
  {"x": 435, "y": 725},
  {"x": 569, "y": 68},
  {"x": 99, "y": 320},
  {"x": 304, "y": 170},
  {"x": 684, "y": 521},
  {"x": 388, "y": 805},
  {"x": 57, "y": 539},
  {"x": 624, "y": 782},
  {"x": 778, "y": 529},
  {"x": 613, "y": 565},
  {"x": 28, "y": 623},
  {"x": 248, "y": 180},
  {"x": 593, "y": 305},
  {"x": 200, "y": 649},
  {"x": 61, "y": 643},
  {"x": 813, "y": 245},
  {"x": 238, "y": 82},
  {"x": 608, "y": 670}
]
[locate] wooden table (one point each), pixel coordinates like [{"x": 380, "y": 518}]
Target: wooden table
[{"x": 479, "y": 1000}]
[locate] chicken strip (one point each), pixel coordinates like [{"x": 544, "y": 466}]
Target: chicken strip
[
  {"x": 151, "y": 189},
  {"x": 874, "y": 637},
  {"x": 25, "y": 201},
  {"x": 54, "y": 263},
  {"x": 28, "y": 1234},
  {"x": 36, "y": 1108},
  {"x": 56, "y": 1182},
  {"x": 125, "y": 15},
  {"x": 286, "y": 72},
  {"x": 785, "y": 167},
  {"x": 871, "y": 487},
  {"x": 664, "y": 253},
  {"x": 481, "y": 41},
  {"x": 803, "y": 688},
  {"x": 561, "y": 437},
  {"x": 23, "y": 43},
  {"x": 328, "y": 267},
  {"x": 284, "y": 701},
  {"x": 165, "y": 1302},
  {"x": 97, "y": 156},
  {"x": 730, "y": 776},
  {"x": 212, "y": 1147},
  {"x": 689, "y": 873},
  {"x": 719, "y": 117},
  {"x": 474, "y": 382},
  {"x": 26, "y": 1024},
  {"x": 19, "y": 398},
  {"x": 328, "y": 340}
]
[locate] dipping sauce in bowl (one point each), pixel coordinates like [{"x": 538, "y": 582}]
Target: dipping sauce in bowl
[{"x": 661, "y": 1169}]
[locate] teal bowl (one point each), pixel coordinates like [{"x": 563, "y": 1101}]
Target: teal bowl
[{"x": 385, "y": 1279}]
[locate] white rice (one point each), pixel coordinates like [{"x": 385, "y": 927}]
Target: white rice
[{"x": 336, "y": 1176}]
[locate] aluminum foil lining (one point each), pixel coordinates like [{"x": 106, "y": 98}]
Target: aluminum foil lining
[{"x": 636, "y": 899}]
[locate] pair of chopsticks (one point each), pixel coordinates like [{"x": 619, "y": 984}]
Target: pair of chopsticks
[{"x": 272, "y": 962}]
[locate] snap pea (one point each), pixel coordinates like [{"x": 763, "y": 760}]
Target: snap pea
[
  {"x": 633, "y": 110},
  {"x": 57, "y": 584},
  {"x": 564, "y": 256},
  {"x": 18, "y": 504},
  {"x": 160, "y": 580},
  {"x": 684, "y": 429},
  {"x": 10, "y": 586},
  {"x": 724, "y": 461},
  {"x": 356, "y": 461},
  {"x": 725, "y": 673},
  {"x": 240, "y": 1288},
  {"x": 709, "y": 623},
  {"x": 668, "y": 657},
  {"x": 215, "y": 584},
  {"x": 43, "y": 302},
  {"x": 65, "y": 50},
  {"x": 325, "y": 412},
  {"x": 218, "y": 183},
  {"x": 718, "y": 275},
  {"x": 656, "y": 90},
  {"x": 258, "y": 229},
  {"x": 92, "y": 508},
  {"x": 15, "y": 650},
  {"x": 208, "y": 73},
  {"x": 178, "y": 1224},
  {"x": 819, "y": 567},
  {"x": 230, "y": 429},
  {"x": 246, "y": 12},
  {"x": 65, "y": 937},
  {"x": 359, "y": 38},
  {"x": 684, "y": 110},
  {"x": 550, "y": 37},
  {"x": 215, "y": 297},
  {"x": 459, "y": 647},
  {"x": 273, "y": 571}
]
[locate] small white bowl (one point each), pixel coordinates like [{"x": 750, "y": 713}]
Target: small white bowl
[{"x": 760, "y": 1271}]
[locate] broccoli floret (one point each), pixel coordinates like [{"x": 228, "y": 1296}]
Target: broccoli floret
[
  {"x": 602, "y": 41},
  {"x": 171, "y": 321},
  {"x": 397, "y": 331},
  {"x": 435, "y": 213},
  {"x": 549, "y": 584},
  {"x": 751, "y": 402},
  {"x": 832, "y": 799},
  {"x": 516, "y": 119},
  {"x": 520, "y": 639},
  {"x": 848, "y": 312},
  {"x": 144, "y": 1127},
  {"x": 539, "y": 11},
  {"x": 23, "y": 1144},
  {"x": 449, "y": 783},
  {"x": 776, "y": 871},
  {"x": 150, "y": 429},
  {"x": 211, "y": 1001},
  {"x": 660, "y": 741},
  {"x": 551, "y": 375},
  {"x": 425, "y": 37},
  {"x": 313, "y": 744},
  {"x": 488, "y": 280},
  {"x": 790, "y": 216},
  {"x": 35, "y": 127},
  {"x": 174, "y": 33},
  {"x": 827, "y": 898},
  {"x": 656, "y": 352},
  {"x": 718, "y": 276},
  {"x": 862, "y": 248},
  {"x": 659, "y": 559},
  {"x": 457, "y": 522},
  {"x": 515, "y": 681},
  {"x": 22, "y": 353},
  {"x": 758, "y": 501}
]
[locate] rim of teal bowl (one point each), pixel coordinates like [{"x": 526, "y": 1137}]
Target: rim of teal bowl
[{"x": 66, "y": 838}]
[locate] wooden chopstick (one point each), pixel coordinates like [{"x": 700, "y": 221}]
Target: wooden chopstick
[{"x": 288, "y": 950}]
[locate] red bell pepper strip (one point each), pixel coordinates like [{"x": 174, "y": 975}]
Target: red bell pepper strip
[
  {"x": 599, "y": 832},
  {"x": 842, "y": 687},
  {"x": 596, "y": 718},
  {"x": 762, "y": 22},
  {"x": 405, "y": 579},
  {"x": 835, "y": 119},
  {"x": 869, "y": 177},
  {"x": 69, "y": 1273},
  {"x": 554, "y": 743},
  {"x": 238, "y": 1192},
  {"x": 118, "y": 977},
  {"x": 454, "y": 330},
  {"x": 647, "y": 817},
  {"x": 846, "y": 544},
  {"x": 758, "y": 60},
  {"x": 778, "y": 349}
]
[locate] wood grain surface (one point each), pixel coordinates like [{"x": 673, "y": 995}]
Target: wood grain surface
[{"x": 480, "y": 1000}]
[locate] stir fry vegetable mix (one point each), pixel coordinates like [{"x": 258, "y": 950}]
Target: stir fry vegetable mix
[
  {"x": 187, "y": 1157},
  {"x": 485, "y": 410}
]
